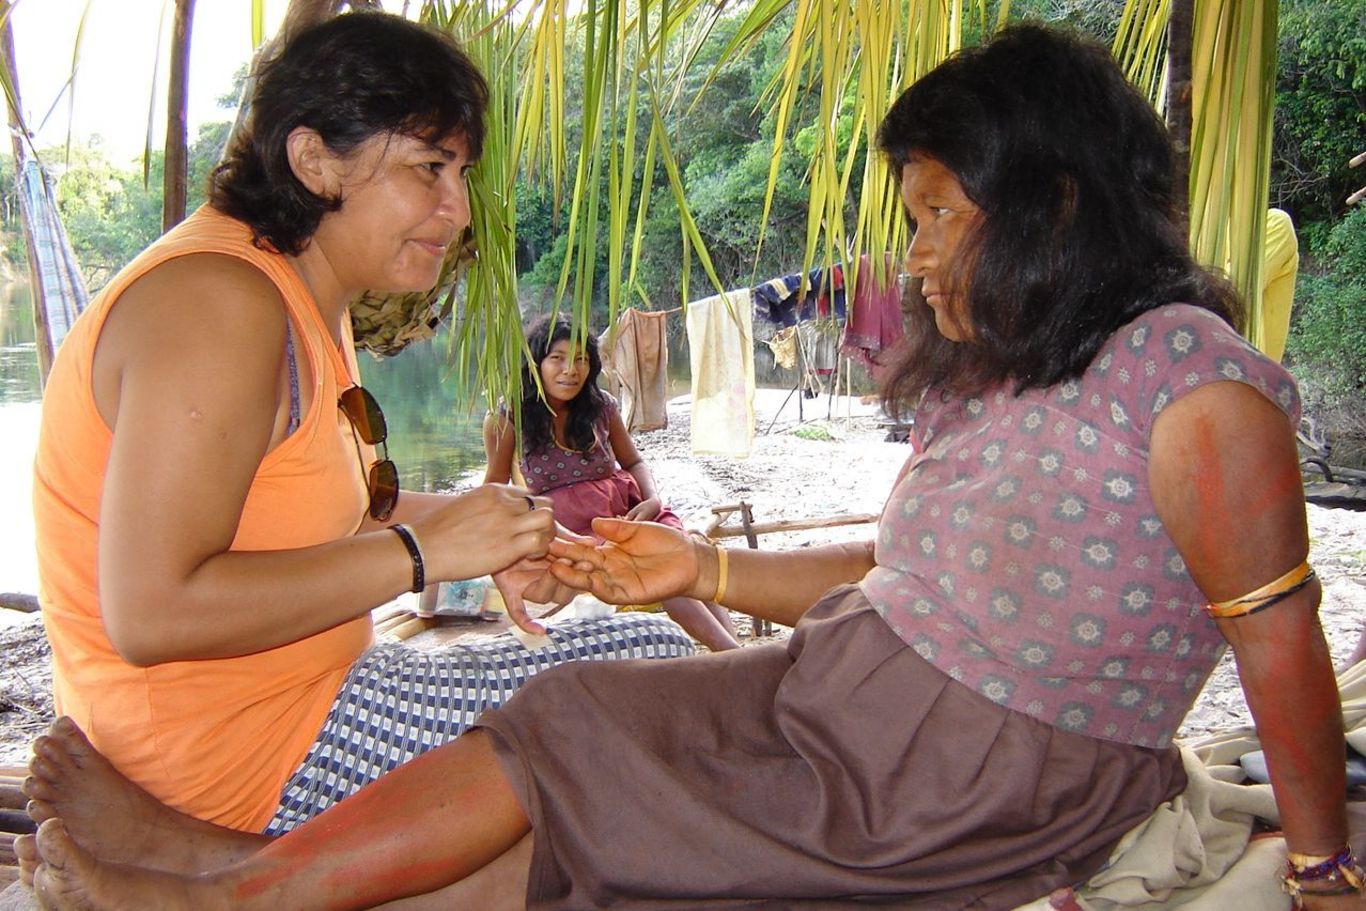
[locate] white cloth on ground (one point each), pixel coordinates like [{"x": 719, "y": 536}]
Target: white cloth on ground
[{"x": 1194, "y": 851}]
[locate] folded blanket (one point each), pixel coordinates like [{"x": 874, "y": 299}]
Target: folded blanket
[{"x": 1194, "y": 852}]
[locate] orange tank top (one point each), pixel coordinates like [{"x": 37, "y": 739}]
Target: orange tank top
[{"x": 216, "y": 739}]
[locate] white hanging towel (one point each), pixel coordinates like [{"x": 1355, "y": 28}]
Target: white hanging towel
[{"x": 721, "y": 352}]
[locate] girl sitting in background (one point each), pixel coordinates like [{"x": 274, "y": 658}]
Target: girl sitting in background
[{"x": 576, "y": 451}]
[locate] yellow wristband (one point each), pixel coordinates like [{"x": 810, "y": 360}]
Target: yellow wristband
[
  {"x": 1302, "y": 861},
  {"x": 722, "y": 568}
]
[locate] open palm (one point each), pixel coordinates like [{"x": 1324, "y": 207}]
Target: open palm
[{"x": 637, "y": 564}]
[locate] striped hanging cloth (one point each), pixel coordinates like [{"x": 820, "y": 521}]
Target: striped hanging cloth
[{"x": 62, "y": 291}]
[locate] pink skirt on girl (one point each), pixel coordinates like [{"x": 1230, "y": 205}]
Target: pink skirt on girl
[{"x": 577, "y": 505}]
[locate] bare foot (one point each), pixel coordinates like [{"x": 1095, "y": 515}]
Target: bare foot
[
  {"x": 69, "y": 879},
  {"x": 114, "y": 819},
  {"x": 26, "y": 849}
]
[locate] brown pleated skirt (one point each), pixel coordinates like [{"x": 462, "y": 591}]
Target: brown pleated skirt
[{"x": 837, "y": 770}]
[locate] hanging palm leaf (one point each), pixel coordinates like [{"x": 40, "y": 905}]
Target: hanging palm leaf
[
  {"x": 1140, "y": 46},
  {"x": 1234, "y": 77},
  {"x": 486, "y": 346},
  {"x": 847, "y": 60},
  {"x": 1234, "y": 70}
]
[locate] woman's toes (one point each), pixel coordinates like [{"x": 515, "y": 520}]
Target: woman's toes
[
  {"x": 26, "y": 850},
  {"x": 42, "y": 768},
  {"x": 36, "y": 788},
  {"x": 40, "y": 811}
]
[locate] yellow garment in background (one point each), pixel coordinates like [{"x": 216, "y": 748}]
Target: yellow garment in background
[
  {"x": 1280, "y": 265},
  {"x": 721, "y": 353}
]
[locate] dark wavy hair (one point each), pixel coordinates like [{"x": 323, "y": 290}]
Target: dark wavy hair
[
  {"x": 584, "y": 409},
  {"x": 1081, "y": 229},
  {"x": 354, "y": 76}
]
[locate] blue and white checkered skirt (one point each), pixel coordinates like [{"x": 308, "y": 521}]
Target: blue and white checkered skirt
[{"x": 398, "y": 702}]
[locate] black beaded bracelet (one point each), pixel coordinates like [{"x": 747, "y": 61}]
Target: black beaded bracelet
[{"x": 409, "y": 540}]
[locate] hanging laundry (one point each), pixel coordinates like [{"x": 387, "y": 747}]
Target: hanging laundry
[
  {"x": 721, "y": 352},
  {"x": 875, "y": 321},
  {"x": 635, "y": 365},
  {"x": 1280, "y": 265},
  {"x": 782, "y": 301},
  {"x": 776, "y": 299},
  {"x": 830, "y": 286},
  {"x": 820, "y": 345}
]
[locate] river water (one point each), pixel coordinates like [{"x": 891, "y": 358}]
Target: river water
[{"x": 434, "y": 441}]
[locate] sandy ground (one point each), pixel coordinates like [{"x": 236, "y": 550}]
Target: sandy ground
[{"x": 835, "y": 462}]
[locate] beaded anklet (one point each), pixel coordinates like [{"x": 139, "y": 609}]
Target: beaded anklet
[{"x": 1340, "y": 872}]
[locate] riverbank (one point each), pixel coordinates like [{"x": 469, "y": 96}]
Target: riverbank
[{"x": 835, "y": 462}]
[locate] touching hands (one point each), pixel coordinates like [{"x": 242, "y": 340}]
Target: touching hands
[
  {"x": 529, "y": 579},
  {"x": 645, "y": 511},
  {"x": 638, "y": 563},
  {"x": 483, "y": 531}
]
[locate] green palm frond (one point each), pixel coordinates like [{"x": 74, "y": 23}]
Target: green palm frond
[
  {"x": 6, "y": 77},
  {"x": 1233, "y": 66},
  {"x": 1234, "y": 69},
  {"x": 845, "y": 62},
  {"x": 149, "y": 143},
  {"x": 486, "y": 344},
  {"x": 1140, "y": 46}
]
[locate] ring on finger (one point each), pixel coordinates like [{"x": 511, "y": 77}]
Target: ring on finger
[{"x": 530, "y": 503}]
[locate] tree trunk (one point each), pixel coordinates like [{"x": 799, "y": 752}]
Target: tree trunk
[
  {"x": 17, "y": 137},
  {"x": 177, "y": 139},
  {"x": 1179, "y": 30}
]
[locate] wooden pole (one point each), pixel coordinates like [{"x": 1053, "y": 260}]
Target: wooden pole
[
  {"x": 1179, "y": 37},
  {"x": 781, "y": 525},
  {"x": 42, "y": 333},
  {"x": 176, "y": 178}
]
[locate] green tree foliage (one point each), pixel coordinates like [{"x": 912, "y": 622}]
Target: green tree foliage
[
  {"x": 110, "y": 215},
  {"x": 1320, "y": 110},
  {"x": 1327, "y": 343},
  {"x": 1320, "y": 125},
  {"x": 11, "y": 229},
  {"x": 1098, "y": 18}
]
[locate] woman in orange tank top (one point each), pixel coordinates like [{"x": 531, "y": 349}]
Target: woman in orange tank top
[{"x": 214, "y": 523}]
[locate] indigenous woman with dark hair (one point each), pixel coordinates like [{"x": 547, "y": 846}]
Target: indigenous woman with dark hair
[
  {"x": 214, "y": 526},
  {"x": 575, "y": 450},
  {"x": 977, "y": 705}
]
